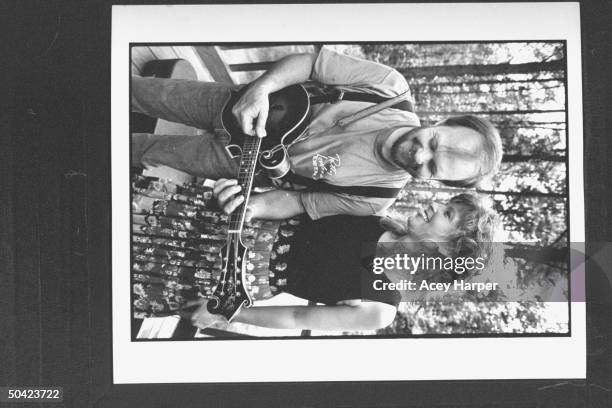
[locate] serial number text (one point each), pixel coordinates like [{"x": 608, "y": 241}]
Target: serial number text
[{"x": 31, "y": 394}]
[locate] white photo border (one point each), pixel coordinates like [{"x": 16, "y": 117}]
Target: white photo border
[{"x": 352, "y": 359}]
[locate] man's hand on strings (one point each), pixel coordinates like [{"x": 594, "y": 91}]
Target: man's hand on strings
[
  {"x": 251, "y": 110},
  {"x": 229, "y": 198}
]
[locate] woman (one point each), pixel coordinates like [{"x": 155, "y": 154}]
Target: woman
[
  {"x": 178, "y": 232},
  {"x": 326, "y": 261}
]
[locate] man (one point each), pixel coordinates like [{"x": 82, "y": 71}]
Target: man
[{"x": 384, "y": 149}]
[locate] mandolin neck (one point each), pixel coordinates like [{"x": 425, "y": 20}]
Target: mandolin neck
[{"x": 248, "y": 162}]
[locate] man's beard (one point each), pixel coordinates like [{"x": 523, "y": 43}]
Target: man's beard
[{"x": 395, "y": 152}]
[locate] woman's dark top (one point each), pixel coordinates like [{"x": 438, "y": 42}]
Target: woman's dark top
[{"x": 329, "y": 258}]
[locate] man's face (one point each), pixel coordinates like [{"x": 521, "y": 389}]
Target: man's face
[{"x": 439, "y": 152}]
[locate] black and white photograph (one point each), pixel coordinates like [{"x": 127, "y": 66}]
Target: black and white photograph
[
  {"x": 306, "y": 204},
  {"x": 471, "y": 158},
  {"x": 340, "y": 193}
]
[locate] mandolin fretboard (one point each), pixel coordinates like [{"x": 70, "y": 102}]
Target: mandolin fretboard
[{"x": 248, "y": 162}]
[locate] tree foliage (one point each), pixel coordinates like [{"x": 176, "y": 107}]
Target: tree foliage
[{"x": 520, "y": 88}]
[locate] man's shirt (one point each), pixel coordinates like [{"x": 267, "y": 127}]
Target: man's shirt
[{"x": 350, "y": 156}]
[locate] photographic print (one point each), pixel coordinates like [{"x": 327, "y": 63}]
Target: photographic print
[
  {"x": 180, "y": 231},
  {"x": 356, "y": 193}
]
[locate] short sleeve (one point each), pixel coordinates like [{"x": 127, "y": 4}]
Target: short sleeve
[
  {"x": 322, "y": 204},
  {"x": 333, "y": 68}
]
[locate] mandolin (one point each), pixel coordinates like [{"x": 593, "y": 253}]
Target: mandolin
[
  {"x": 288, "y": 116},
  {"x": 231, "y": 294}
]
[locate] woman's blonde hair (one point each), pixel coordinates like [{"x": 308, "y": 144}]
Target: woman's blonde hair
[{"x": 475, "y": 236}]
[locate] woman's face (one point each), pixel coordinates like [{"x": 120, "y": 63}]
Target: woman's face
[{"x": 437, "y": 222}]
